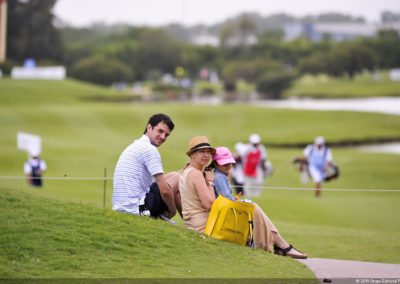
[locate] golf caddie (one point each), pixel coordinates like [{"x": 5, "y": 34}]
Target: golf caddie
[{"x": 319, "y": 158}]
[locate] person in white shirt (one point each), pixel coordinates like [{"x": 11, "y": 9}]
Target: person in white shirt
[
  {"x": 139, "y": 185},
  {"x": 34, "y": 169},
  {"x": 319, "y": 158},
  {"x": 254, "y": 166}
]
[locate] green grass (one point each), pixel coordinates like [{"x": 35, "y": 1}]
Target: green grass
[
  {"x": 82, "y": 137},
  {"x": 361, "y": 86},
  {"x": 42, "y": 238}
]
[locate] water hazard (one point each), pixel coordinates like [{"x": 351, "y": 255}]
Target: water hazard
[{"x": 387, "y": 105}]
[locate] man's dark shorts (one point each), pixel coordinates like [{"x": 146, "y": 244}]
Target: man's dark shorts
[{"x": 154, "y": 202}]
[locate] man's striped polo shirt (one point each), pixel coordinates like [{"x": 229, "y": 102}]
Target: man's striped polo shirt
[{"x": 133, "y": 175}]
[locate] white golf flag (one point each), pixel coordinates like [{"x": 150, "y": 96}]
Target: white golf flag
[{"x": 30, "y": 143}]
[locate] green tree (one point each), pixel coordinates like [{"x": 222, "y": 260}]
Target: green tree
[
  {"x": 248, "y": 70},
  {"x": 272, "y": 85},
  {"x": 31, "y": 32},
  {"x": 246, "y": 28},
  {"x": 343, "y": 59},
  {"x": 350, "y": 58},
  {"x": 146, "y": 51},
  {"x": 101, "y": 70},
  {"x": 156, "y": 51},
  {"x": 226, "y": 33},
  {"x": 316, "y": 64},
  {"x": 237, "y": 34},
  {"x": 197, "y": 57},
  {"x": 387, "y": 48}
]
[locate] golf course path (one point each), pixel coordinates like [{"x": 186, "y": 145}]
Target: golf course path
[{"x": 348, "y": 271}]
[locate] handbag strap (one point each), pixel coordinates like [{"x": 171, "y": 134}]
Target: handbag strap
[
  {"x": 251, "y": 224},
  {"x": 234, "y": 213}
]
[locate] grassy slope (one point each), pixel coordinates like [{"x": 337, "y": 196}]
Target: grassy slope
[
  {"x": 51, "y": 239},
  {"x": 83, "y": 138}
]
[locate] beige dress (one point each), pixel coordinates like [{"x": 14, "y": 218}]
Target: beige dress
[
  {"x": 262, "y": 232},
  {"x": 194, "y": 214}
]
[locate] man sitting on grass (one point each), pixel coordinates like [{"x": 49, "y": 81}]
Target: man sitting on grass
[{"x": 139, "y": 165}]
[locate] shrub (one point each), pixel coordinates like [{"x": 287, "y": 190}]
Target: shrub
[
  {"x": 271, "y": 86},
  {"x": 207, "y": 88},
  {"x": 6, "y": 67},
  {"x": 101, "y": 70}
]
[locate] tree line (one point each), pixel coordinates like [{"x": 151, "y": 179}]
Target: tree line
[{"x": 105, "y": 54}]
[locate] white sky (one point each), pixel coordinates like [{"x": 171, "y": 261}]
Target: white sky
[{"x": 190, "y": 12}]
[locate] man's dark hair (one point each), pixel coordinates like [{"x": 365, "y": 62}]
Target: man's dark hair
[{"x": 157, "y": 118}]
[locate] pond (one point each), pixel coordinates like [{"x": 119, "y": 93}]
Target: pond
[
  {"x": 388, "y": 105},
  {"x": 392, "y": 148}
]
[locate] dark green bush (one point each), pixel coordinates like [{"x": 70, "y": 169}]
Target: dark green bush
[
  {"x": 101, "y": 70},
  {"x": 6, "y": 67},
  {"x": 271, "y": 86}
]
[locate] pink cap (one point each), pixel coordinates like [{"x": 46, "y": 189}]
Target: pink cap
[{"x": 223, "y": 156}]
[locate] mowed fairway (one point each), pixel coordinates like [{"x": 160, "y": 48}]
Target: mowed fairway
[{"x": 83, "y": 137}]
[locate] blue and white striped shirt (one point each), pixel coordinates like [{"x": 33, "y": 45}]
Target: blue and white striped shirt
[{"x": 133, "y": 174}]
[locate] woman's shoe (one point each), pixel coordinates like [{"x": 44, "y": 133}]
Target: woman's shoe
[{"x": 286, "y": 252}]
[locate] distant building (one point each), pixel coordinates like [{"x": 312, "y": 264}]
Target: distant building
[
  {"x": 246, "y": 41},
  {"x": 205, "y": 39},
  {"x": 334, "y": 31},
  {"x": 394, "y": 74}
]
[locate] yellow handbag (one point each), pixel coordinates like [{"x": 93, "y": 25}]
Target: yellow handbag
[{"x": 231, "y": 221}]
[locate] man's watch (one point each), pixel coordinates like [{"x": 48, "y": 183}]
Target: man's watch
[{"x": 211, "y": 183}]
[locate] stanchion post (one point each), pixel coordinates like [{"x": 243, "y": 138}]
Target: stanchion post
[{"x": 104, "y": 188}]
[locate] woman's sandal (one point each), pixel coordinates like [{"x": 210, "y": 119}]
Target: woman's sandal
[{"x": 285, "y": 252}]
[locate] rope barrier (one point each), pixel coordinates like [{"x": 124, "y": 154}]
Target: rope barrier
[
  {"x": 257, "y": 187},
  {"x": 327, "y": 189},
  {"x": 56, "y": 178}
]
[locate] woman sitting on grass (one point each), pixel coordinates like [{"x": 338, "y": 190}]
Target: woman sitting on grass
[
  {"x": 266, "y": 236},
  {"x": 196, "y": 188}
]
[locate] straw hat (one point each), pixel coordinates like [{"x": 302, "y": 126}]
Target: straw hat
[{"x": 199, "y": 142}]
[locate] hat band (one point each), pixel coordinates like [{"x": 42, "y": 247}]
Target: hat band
[{"x": 201, "y": 145}]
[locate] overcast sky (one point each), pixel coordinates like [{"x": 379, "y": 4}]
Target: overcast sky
[{"x": 190, "y": 12}]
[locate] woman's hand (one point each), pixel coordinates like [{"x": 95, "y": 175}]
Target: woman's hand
[
  {"x": 209, "y": 176},
  {"x": 205, "y": 192}
]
